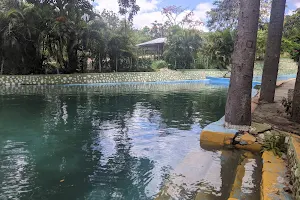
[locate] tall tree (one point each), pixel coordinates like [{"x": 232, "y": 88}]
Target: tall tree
[
  {"x": 225, "y": 13},
  {"x": 272, "y": 57},
  {"x": 292, "y": 36},
  {"x": 296, "y": 98},
  {"x": 238, "y": 106}
]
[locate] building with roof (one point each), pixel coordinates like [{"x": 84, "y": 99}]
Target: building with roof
[{"x": 153, "y": 48}]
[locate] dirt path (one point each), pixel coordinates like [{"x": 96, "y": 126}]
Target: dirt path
[{"x": 274, "y": 113}]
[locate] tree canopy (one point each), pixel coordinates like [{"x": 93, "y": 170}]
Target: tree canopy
[{"x": 47, "y": 35}]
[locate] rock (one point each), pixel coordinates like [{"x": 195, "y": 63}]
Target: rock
[
  {"x": 287, "y": 189},
  {"x": 287, "y": 139},
  {"x": 297, "y": 173},
  {"x": 284, "y": 157},
  {"x": 261, "y": 138},
  {"x": 243, "y": 143},
  {"x": 280, "y": 179},
  {"x": 267, "y": 134},
  {"x": 261, "y": 128},
  {"x": 247, "y": 139},
  {"x": 253, "y": 131},
  {"x": 237, "y": 139}
]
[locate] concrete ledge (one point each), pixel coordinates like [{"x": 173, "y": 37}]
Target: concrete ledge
[
  {"x": 273, "y": 178},
  {"x": 105, "y": 78},
  {"x": 217, "y": 80},
  {"x": 215, "y": 135}
]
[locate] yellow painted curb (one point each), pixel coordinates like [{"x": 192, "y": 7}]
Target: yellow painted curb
[
  {"x": 237, "y": 185},
  {"x": 215, "y": 138},
  {"x": 255, "y": 147},
  {"x": 219, "y": 139},
  {"x": 273, "y": 169}
]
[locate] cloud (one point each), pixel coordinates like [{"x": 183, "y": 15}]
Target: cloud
[
  {"x": 202, "y": 9},
  {"x": 112, "y": 5},
  {"x": 145, "y": 19},
  {"x": 294, "y": 3},
  {"x": 150, "y": 11},
  {"x": 147, "y": 6},
  {"x": 107, "y": 4}
]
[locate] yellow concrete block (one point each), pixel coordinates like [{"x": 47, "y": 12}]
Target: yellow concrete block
[
  {"x": 273, "y": 168},
  {"x": 238, "y": 181},
  {"x": 228, "y": 139},
  {"x": 212, "y": 137},
  {"x": 255, "y": 147},
  {"x": 249, "y": 139},
  {"x": 269, "y": 157}
]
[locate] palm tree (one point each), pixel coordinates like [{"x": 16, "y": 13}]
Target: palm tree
[
  {"x": 10, "y": 24},
  {"x": 238, "y": 106},
  {"x": 272, "y": 57}
]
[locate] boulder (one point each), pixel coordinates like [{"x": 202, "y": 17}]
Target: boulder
[
  {"x": 261, "y": 138},
  {"x": 247, "y": 139},
  {"x": 260, "y": 128}
]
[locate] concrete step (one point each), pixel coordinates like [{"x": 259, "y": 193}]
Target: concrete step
[
  {"x": 203, "y": 175},
  {"x": 247, "y": 178},
  {"x": 274, "y": 178}
]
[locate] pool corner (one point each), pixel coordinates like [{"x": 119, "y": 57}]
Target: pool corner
[{"x": 216, "y": 135}]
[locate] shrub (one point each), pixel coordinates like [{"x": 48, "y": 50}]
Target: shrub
[
  {"x": 287, "y": 104},
  {"x": 159, "y": 64},
  {"x": 143, "y": 65},
  {"x": 276, "y": 144}
]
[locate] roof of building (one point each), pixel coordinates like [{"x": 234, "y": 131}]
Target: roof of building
[{"x": 155, "y": 41}]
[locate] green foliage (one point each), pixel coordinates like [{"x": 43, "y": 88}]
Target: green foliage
[
  {"x": 276, "y": 144},
  {"x": 261, "y": 44},
  {"x": 291, "y": 35},
  {"x": 287, "y": 105},
  {"x": 143, "y": 65},
  {"x": 225, "y": 13},
  {"x": 59, "y": 36},
  {"x": 159, "y": 64},
  {"x": 217, "y": 50},
  {"x": 182, "y": 47}
]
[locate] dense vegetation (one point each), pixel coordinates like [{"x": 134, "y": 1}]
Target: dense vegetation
[
  {"x": 45, "y": 36},
  {"x": 291, "y": 35}
]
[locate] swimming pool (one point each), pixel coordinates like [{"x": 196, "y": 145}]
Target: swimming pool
[{"x": 107, "y": 142}]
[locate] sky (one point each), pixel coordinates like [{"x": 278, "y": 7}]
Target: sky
[{"x": 150, "y": 10}]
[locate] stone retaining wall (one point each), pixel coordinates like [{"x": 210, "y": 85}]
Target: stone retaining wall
[
  {"x": 109, "y": 89},
  {"x": 294, "y": 164},
  {"x": 167, "y": 75}
]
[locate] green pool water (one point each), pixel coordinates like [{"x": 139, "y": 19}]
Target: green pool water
[{"x": 101, "y": 142}]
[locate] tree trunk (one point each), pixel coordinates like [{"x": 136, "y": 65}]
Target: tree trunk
[
  {"x": 238, "y": 106},
  {"x": 72, "y": 53},
  {"x": 100, "y": 66},
  {"x": 272, "y": 56},
  {"x": 2, "y": 66},
  {"x": 116, "y": 63},
  {"x": 296, "y": 98}
]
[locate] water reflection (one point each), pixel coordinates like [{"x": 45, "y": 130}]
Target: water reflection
[{"x": 101, "y": 142}]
